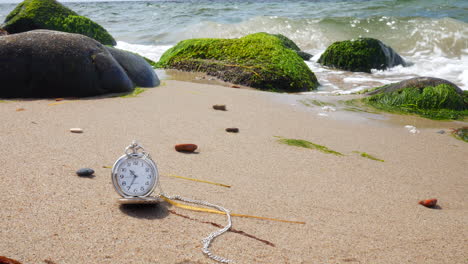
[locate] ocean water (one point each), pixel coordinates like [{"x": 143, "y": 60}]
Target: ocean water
[{"x": 430, "y": 34}]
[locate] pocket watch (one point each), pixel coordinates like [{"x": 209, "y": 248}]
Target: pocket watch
[{"x": 135, "y": 176}]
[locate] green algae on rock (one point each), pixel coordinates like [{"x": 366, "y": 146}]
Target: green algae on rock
[
  {"x": 360, "y": 55},
  {"x": 258, "y": 60},
  {"x": 291, "y": 45},
  {"x": 428, "y": 97},
  {"x": 50, "y": 14}
]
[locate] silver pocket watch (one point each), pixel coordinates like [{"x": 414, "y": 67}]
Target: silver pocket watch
[{"x": 135, "y": 176}]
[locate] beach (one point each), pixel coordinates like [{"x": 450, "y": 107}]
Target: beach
[{"x": 355, "y": 209}]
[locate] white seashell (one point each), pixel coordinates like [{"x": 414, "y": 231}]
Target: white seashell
[{"x": 76, "y": 130}]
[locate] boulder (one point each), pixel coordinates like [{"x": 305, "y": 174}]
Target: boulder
[
  {"x": 137, "y": 68},
  {"x": 3, "y": 32},
  {"x": 291, "y": 45},
  {"x": 304, "y": 55},
  {"x": 429, "y": 97},
  {"x": 415, "y": 83},
  {"x": 44, "y": 63},
  {"x": 360, "y": 55},
  {"x": 49, "y": 14},
  {"x": 258, "y": 60}
]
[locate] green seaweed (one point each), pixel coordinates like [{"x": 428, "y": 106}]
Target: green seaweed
[
  {"x": 359, "y": 55},
  {"x": 311, "y": 102},
  {"x": 134, "y": 93},
  {"x": 307, "y": 144},
  {"x": 441, "y": 102},
  {"x": 366, "y": 155},
  {"x": 49, "y": 14},
  {"x": 258, "y": 60},
  {"x": 461, "y": 133}
]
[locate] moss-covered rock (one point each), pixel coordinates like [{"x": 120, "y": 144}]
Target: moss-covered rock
[
  {"x": 49, "y": 14},
  {"x": 258, "y": 60},
  {"x": 429, "y": 97},
  {"x": 287, "y": 42},
  {"x": 360, "y": 55},
  {"x": 291, "y": 45}
]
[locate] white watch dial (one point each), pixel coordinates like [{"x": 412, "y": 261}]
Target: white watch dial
[{"x": 135, "y": 177}]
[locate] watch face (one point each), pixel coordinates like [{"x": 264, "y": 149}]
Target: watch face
[{"x": 135, "y": 176}]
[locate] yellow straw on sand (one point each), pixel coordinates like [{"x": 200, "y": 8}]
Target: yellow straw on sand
[
  {"x": 197, "y": 180},
  {"x": 200, "y": 209}
]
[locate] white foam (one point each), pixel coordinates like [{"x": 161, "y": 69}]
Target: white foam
[{"x": 151, "y": 52}]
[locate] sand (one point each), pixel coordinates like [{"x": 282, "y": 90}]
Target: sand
[{"x": 355, "y": 210}]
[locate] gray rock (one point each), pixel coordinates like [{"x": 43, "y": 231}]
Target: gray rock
[
  {"x": 85, "y": 172},
  {"x": 137, "y": 68},
  {"x": 417, "y": 82},
  {"x": 44, "y": 63},
  {"x": 304, "y": 55}
]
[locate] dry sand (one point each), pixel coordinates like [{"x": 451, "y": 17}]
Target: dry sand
[{"x": 356, "y": 210}]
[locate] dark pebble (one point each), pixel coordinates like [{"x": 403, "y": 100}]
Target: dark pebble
[
  {"x": 186, "y": 147},
  {"x": 219, "y": 107},
  {"x": 441, "y": 131},
  {"x": 85, "y": 172},
  {"x": 232, "y": 129}
]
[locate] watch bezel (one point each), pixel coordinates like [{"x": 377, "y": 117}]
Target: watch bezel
[{"x": 125, "y": 157}]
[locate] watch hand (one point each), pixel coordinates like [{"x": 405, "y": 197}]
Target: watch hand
[{"x": 134, "y": 177}]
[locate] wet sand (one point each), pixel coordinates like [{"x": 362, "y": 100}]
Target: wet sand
[{"x": 356, "y": 210}]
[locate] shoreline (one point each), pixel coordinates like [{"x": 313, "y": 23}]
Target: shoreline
[{"x": 356, "y": 210}]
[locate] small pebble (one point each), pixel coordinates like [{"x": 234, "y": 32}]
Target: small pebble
[
  {"x": 186, "y": 147},
  {"x": 20, "y": 109},
  {"x": 219, "y": 107},
  {"x": 76, "y": 130},
  {"x": 430, "y": 203},
  {"x": 441, "y": 131},
  {"x": 232, "y": 129},
  {"x": 235, "y": 86},
  {"x": 59, "y": 99},
  {"x": 85, "y": 172}
]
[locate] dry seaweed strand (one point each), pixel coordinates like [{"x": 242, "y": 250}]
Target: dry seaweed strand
[
  {"x": 266, "y": 242},
  {"x": 207, "y": 210}
]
